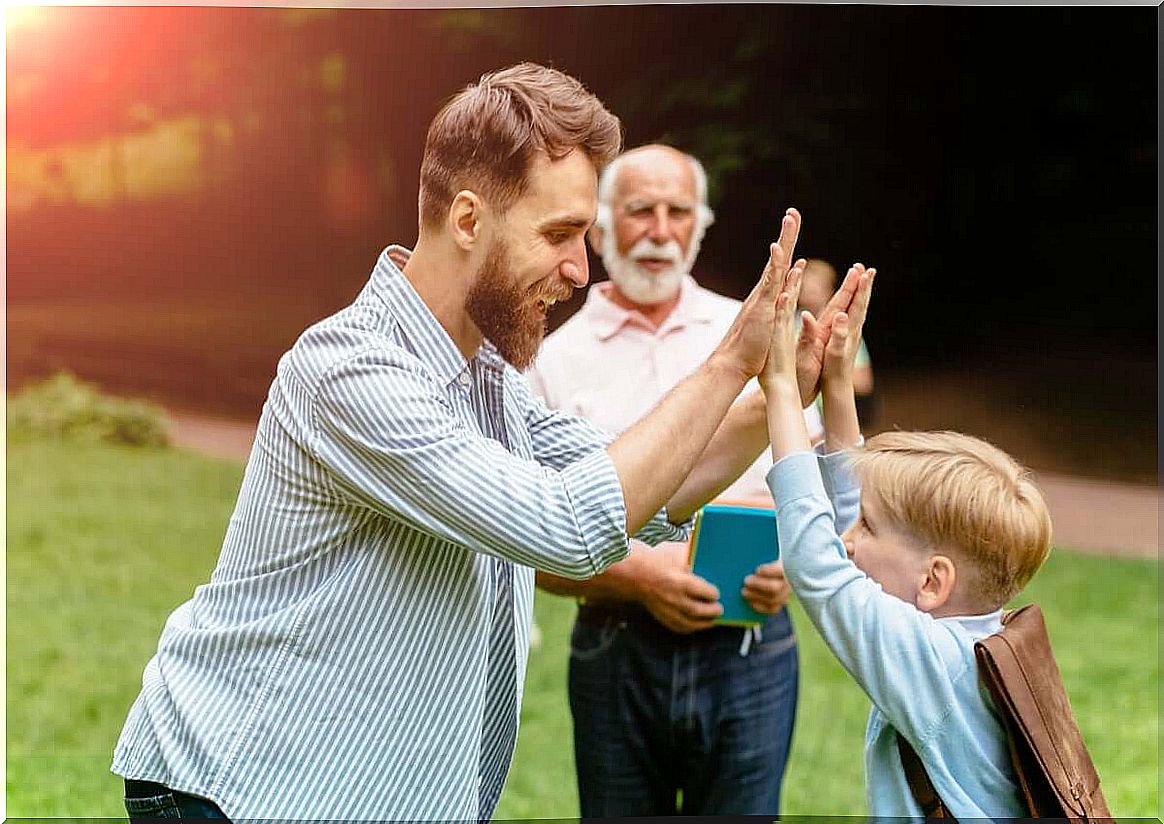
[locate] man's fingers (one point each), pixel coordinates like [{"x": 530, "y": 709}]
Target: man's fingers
[
  {"x": 687, "y": 615},
  {"x": 789, "y": 232},
  {"x": 765, "y": 603},
  {"x": 772, "y": 569},
  {"x": 702, "y": 610},
  {"x": 676, "y": 621},
  {"x": 699, "y": 589},
  {"x": 774, "y": 276}
]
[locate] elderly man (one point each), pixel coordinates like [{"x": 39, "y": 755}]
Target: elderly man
[
  {"x": 664, "y": 701},
  {"x": 360, "y": 648}
]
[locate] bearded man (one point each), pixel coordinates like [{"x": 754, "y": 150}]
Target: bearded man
[
  {"x": 360, "y": 648},
  {"x": 672, "y": 714}
]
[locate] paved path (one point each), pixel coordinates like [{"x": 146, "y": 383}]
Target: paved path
[{"x": 1089, "y": 515}]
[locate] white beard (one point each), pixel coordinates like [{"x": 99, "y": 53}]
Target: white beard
[{"x": 639, "y": 285}]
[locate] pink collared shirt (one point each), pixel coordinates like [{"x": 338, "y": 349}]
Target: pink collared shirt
[{"x": 609, "y": 365}]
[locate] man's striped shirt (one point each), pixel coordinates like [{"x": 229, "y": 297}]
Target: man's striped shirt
[{"x": 360, "y": 649}]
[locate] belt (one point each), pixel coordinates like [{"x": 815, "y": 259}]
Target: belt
[
  {"x": 630, "y": 611},
  {"x": 144, "y": 789}
]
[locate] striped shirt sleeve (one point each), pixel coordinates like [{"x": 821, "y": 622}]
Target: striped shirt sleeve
[
  {"x": 392, "y": 441},
  {"x": 560, "y": 439}
]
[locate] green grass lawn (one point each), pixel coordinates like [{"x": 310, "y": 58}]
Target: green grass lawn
[{"x": 104, "y": 542}]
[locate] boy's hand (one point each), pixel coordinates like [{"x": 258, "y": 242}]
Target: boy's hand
[
  {"x": 814, "y": 335},
  {"x": 845, "y": 335},
  {"x": 781, "y": 363}
]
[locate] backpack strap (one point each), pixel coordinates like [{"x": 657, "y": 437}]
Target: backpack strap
[{"x": 919, "y": 782}]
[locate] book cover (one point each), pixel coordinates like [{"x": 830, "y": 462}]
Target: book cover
[{"x": 728, "y": 542}]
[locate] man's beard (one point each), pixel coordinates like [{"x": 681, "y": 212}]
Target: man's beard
[
  {"x": 507, "y": 315},
  {"x": 640, "y": 286}
]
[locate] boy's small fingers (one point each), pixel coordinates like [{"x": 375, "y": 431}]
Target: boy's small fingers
[
  {"x": 844, "y": 295},
  {"x": 840, "y": 332},
  {"x": 861, "y": 302},
  {"x": 793, "y": 280}
]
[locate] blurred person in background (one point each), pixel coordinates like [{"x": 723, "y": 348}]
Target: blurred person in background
[{"x": 662, "y": 699}]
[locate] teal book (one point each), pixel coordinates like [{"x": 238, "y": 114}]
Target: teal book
[{"x": 728, "y": 542}]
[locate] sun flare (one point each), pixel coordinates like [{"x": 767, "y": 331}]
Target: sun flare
[{"x": 19, "y": 17}]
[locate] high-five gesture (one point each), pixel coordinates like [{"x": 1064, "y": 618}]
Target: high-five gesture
[
  {"x": 814, "y": 334},
  {"x": 688, "y": 416}
]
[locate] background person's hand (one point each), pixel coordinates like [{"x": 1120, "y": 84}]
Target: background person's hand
[
  {"x": 767, "y": 590},
  {"x": 677, "y": 598}
]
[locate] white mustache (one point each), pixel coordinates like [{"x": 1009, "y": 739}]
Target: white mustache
[{"x": 669, "y": 251}]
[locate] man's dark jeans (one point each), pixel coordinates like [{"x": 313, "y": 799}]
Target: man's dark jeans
[
  {"x": 147, "y": 801},
  {"x": 656, "y": 713}
]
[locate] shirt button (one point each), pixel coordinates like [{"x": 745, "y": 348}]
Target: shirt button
[{"x": 463, "y": 379}]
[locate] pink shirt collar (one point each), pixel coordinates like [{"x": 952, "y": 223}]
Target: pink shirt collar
[{"x": 606, "y": 317}]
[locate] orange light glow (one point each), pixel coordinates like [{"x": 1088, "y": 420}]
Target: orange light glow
[{"x": 18, "y": 18}]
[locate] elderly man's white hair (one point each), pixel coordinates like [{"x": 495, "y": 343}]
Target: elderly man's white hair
[{"x": 604, "y": 220}]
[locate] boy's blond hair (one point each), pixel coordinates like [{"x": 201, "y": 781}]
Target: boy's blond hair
[{"x": 968, "y": 499}]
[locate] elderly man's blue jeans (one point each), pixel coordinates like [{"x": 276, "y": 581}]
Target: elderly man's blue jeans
[
  {"x": 146, "y": 801},
  {"x": 669, "y": 724}
]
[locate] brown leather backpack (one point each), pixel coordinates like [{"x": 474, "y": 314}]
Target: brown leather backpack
[{"x": 1054, "y": 769}]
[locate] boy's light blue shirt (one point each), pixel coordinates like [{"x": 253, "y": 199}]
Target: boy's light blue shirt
[{"x": 919, "y": 672}]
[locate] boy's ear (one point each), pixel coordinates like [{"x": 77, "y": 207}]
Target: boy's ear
[{"x": 938, "y": 587}]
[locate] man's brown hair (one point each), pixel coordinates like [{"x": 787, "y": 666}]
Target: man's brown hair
[{"x": 485, "y": 137}]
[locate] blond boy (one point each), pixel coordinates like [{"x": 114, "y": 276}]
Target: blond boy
[{"x": 902, "y": 551}]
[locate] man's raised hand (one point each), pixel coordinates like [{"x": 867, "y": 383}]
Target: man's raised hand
[{"x": 750, "y": 337}]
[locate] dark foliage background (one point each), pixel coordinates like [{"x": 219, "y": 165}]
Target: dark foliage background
[{"x": 998, "y": 166}]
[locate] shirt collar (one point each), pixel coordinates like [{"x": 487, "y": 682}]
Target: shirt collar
[
  {"x": 607, "y": 317},
  {"x": 429, "y": 339},
  {"x": 978, "y": 626}
]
